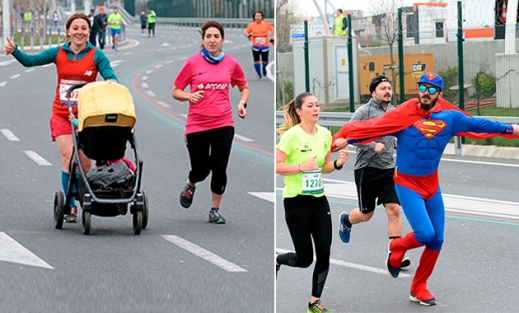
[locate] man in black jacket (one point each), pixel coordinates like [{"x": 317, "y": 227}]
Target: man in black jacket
[{"x": 99, "y": 26}]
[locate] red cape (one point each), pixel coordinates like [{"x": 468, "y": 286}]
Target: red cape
[{"x": 400, "y": 118}]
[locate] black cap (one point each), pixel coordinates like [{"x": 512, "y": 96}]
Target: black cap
[{"x": 376, "y": 81}]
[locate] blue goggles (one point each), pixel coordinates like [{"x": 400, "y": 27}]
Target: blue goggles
[{"x": 432, "y": 90}]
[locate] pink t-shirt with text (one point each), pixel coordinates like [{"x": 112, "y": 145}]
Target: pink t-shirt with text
[{"x": 215, "y": 109}]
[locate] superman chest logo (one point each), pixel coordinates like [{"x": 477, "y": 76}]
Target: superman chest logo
[{"x": 430, "y": 128}]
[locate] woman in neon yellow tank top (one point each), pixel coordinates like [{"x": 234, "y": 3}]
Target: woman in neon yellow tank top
[{"x": 302, "y": 155}]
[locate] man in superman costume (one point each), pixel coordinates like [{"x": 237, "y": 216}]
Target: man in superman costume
[{"x": 423, "y": 127}]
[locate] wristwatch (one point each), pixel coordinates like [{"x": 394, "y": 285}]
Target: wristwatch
[{"x": 244, "y": 104}]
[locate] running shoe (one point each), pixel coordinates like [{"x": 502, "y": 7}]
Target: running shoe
[
  {"x": 413, "y": 298},
  {"x": 390, "y": 269},
  {"x": 186, "y": 196},
  {"x": 405, "y": 262},
  {"x": 317, "y": 307},
  {"x": 265, "y": 72},
  {"x": 72, "y": 217},
  {"x": 344, "y": 231},
  {"x": 215, "y": 216}
]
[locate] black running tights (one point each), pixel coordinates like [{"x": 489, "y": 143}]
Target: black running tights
[
  {"x": 309, "y": 218},
  {"x": 209, "y": 151}
]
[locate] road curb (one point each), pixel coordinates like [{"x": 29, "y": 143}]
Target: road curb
[{"x": 485, "y": 151}]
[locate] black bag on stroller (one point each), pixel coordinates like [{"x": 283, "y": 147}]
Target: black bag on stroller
[{"x": 117, "y": 175}]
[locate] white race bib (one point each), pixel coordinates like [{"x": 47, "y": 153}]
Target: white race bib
[
  {"x": 64, "y": 86},
  {"x": 312, "y": 182},
  {"x": 260, "y": 40}
]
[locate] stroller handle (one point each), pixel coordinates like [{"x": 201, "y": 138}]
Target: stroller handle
[{"x": 76, "y": 86}]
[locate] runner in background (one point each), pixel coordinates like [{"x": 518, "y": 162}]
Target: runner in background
[
  {"x": 115, "y": 20},
  {"x": 258, "y": 33}
]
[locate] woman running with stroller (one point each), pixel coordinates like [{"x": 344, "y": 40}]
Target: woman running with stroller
[
  {"x": 302, "y": 155},
  {"x": 77, "y": 61},
  {"x": 210, "y": 126}
]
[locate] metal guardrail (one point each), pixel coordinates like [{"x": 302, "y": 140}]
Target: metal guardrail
[
  {"x": 197, "y": 22},
  {"x": 328, "y": 119}
]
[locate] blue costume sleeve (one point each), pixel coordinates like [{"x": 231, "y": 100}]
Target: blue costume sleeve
[{"x": 478, "y": 125}]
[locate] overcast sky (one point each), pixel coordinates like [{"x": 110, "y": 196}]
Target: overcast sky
[{"x": 307, "y": 7}]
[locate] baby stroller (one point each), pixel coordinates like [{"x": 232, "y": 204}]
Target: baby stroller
[{"x": 106, "y": 117}]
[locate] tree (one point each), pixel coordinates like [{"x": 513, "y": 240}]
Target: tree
[
  {"x": 385, "y": 20},
  {"x": 284, "y": 20}
]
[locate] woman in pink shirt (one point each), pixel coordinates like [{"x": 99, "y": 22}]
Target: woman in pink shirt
[{"x": 210, "y": 126}]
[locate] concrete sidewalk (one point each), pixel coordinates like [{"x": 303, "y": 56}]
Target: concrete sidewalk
[{"x": 485, "y": 151}]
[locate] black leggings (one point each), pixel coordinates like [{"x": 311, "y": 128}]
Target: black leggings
[
  {"x": 151, "y": 29},
  {"x": 209, "y": 151},
  {"x": 264, "y": 56},
  {"x": 309, "y": 218}
]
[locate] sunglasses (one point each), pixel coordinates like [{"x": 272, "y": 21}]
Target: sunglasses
[{"x": 432, "y": 90}]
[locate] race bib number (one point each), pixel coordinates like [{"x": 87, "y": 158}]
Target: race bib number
[
  {"x": 64, "y": 86},
  {"x": 260, "y": 40},
  {"x": 312, "y": 182}
]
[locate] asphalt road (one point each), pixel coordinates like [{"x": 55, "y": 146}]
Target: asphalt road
[
  {"x": 180, "y": 262},
  {"x": 476, "y": 271}
]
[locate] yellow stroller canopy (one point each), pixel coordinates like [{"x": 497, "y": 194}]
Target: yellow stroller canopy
[{"x": 105, "y": 103}]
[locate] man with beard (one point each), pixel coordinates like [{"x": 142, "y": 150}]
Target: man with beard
[
  {"x": 374, "y": 168},
  {"x": 423, "y": 127}
]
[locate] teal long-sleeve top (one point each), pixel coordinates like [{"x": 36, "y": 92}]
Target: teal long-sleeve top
[{"x": 49, "y": 56}]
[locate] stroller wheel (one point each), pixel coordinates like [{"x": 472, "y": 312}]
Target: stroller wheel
[
  {"x": 145, "y": 211},
  {"x": 86, "y": 219},
  {"x": 59, "y": 204},
  {"x": 137, "y": 222}
]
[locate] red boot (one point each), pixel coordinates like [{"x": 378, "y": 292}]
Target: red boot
[
  {"x": 396, "y": 251},
  {"x": 419, "y": 292}
]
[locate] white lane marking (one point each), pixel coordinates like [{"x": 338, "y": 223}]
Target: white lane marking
[
  {"x": 149, "y": 71},
  {"x": 482, "y": 163},
  {"x": 169, "y": 61},
  {"x": 12, "y": 251},
  {"x": 269, "y": 196},
  {"x": 15, "y": 76},
  {"x": 144, "y": 85},
  {"x": 29, "y": 70},
  {"x": 9, "y": 135},
  {"x": 453, "y": 203},
  {"x": 164, "y": 104},
  {"x": 37, "y": 158},
  {"x": 354, "y": 265},
  {"x": 145, "y": 77},
  {"x": 243, "y": 138},
  {"x": 2, "y": 84},
  {"x": 150, "y": 93},
  {"x": 116, "y": 63},
  {"x": 47, "y": 65},
  {"x": 183, "y": 115},
  {"x": 204, "y": 254},
  {"x": 4, "y": 63},
  {"x": 158, "y": 66},
  {"x": 446, "y": 159}
]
